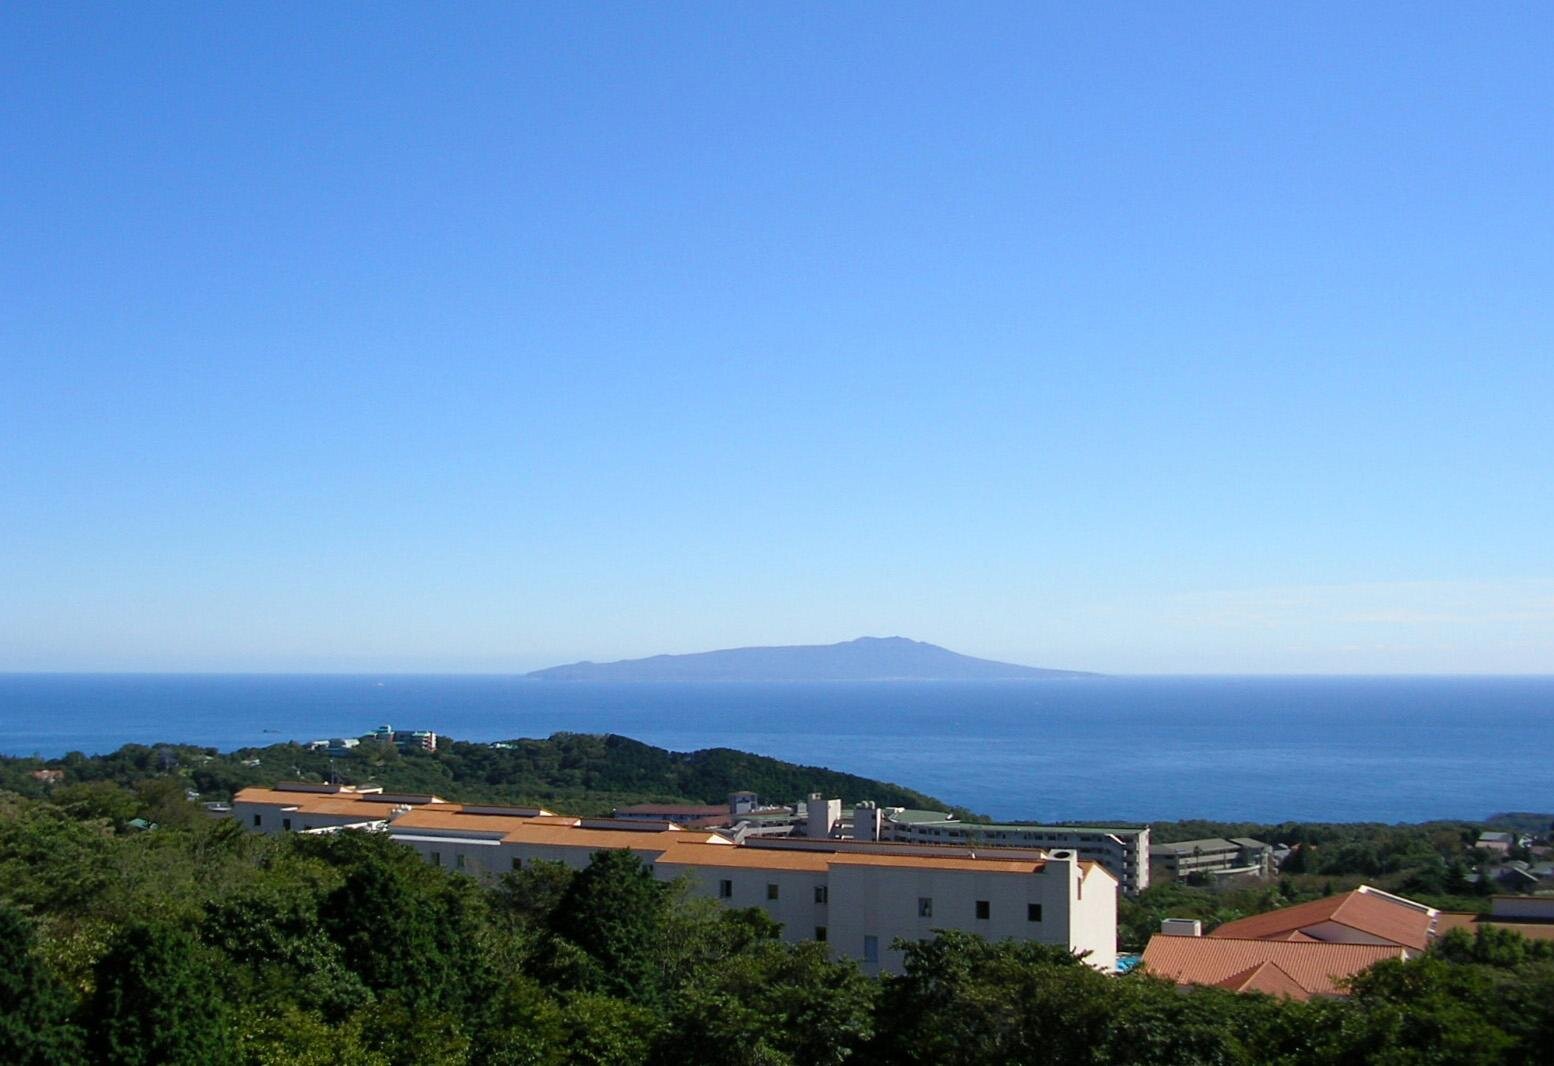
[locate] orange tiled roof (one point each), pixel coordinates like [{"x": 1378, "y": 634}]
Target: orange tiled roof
[
  {"x": 745, "y": 858},
  {"x": 309, "y": 801},
  {"x": 939, "y": 862},
  {"x": 337, "y": 803},
  {"x": 1268, "y": 978},
  {"x": 256, "y": 794},
  {"x": 568, "y": 836},
  {"x": 1366, "y": 912},
  {"x": 1315, "y": 969},
  {"x": 696, "y": 854},
  {"x": 378, "y": 805},
  {"x": 437, "y": 817}
]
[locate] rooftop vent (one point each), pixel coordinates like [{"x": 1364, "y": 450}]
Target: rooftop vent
[{"x": 1181, "y": 927}]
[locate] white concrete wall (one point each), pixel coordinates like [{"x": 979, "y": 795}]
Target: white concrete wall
[
  {"x": 575, "y": 856},
  {"x": 273, "y": 819},
  {"x": 883, "y": 902},
  {"x": 478, "y": 858},
  {"x": 1093, "y": 916},
  {"x": 795, "y": 906}
]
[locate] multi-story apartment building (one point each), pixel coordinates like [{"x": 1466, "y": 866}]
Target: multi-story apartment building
[
  {"x": 1122, "y": 850},
  {"x": 855, "y": 896},
  {"x": 1213, "y": 856}
]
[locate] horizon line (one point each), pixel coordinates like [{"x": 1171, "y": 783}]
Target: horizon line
[{"x": 1083, "y": 675}]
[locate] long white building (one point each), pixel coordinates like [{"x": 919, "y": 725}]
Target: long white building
[{"x": 858, "y": 897}]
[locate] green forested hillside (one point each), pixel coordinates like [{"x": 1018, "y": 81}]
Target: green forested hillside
[{"x": 580, "y": 773}]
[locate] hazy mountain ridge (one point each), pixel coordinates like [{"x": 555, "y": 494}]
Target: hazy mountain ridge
[{"x": 864, "y": 659}]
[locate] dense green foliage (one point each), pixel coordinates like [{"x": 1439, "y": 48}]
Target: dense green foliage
[
  {"x": 584, "y": 773},
  {"x": 154, "y": 1000},
  {"x": 197, "y": 942}
]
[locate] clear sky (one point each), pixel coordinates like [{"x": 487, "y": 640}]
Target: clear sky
[{"x": 1143, "y": 338}]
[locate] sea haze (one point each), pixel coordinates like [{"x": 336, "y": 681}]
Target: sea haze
[{"x": 1260, "y": 749}]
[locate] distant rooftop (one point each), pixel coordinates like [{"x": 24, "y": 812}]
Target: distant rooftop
[
  {"x": 909, "y": 816},
  {"x": 1366, "y": 910}
]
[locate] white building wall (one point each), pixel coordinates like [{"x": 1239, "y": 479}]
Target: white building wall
[
  {"x": 1093, "y": 916},
  {"x": 476, "y": 857},
  {"x": 268, "y": 818},
  {"x": 795, "y": 906},
  {"x": 883, "y": 902},
  {"x": 575, "y": 856},
  {"x": 489, "y": 857}
]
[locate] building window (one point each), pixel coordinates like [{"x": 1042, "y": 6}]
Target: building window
[
  {"x": 1033, "y": 912},
  {"x": 517, "y": 864},
  {"x": 258, "y": 820},
  {"x": 924, "y": 907},
  {"x": 771, "y": 891},
  {"x": 458, "y": 861},
  {"x": 725, "y": 890},
  {"x": 435, "y": 858},
  {"x": 286, "y": 824},
  {"x": 822, "y": 895},
  {"x": 820, "y": 933},
  {"x": 984, "y": 910},
  {"x": 871, "y": 949}
]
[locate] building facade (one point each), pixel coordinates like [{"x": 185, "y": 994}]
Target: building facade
[
  {"x": 856, "y": 897},
  {"x": 1213, "y": 856}
]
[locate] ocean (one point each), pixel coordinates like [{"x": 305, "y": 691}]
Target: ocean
[{"x": 1139, "y": 748}]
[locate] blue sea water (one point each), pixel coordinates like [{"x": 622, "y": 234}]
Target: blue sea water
[{"x": 1253, "y": 748}]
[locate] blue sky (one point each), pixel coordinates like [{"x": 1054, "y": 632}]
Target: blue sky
[{"x": 490, "y": 336}]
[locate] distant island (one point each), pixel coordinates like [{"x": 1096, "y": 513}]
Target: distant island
[{"x": 864, "y": 659}]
